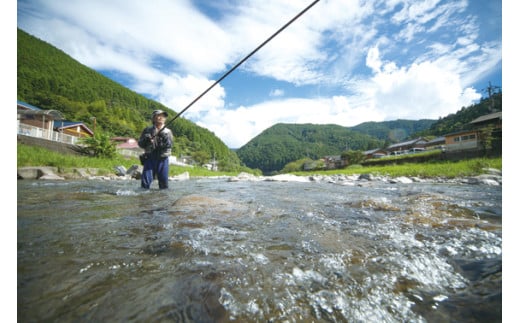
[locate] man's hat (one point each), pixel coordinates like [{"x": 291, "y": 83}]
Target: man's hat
[{"x": 157, "y": 112}]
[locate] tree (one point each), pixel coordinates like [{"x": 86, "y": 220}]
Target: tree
[
  {"x": 201, "y": 157},
  {"x": 99, "y": 145},
  {"x": 353, "y": 156},
  {"x": 486, "y": 137}
]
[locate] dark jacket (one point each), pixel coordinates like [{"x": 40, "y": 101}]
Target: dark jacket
[{"x": 158, "y": 146}]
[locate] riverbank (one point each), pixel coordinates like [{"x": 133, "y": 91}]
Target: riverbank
[
  {"x": 487, "y": 176},
  {"x": 81, "y": 166}
]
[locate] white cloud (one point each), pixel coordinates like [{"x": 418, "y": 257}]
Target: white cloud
[
  {"x": 276, "y": 92},
  {"x": 178, "y": 92}
]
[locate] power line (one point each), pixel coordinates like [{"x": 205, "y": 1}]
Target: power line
[{"x": 240, "y": 63}]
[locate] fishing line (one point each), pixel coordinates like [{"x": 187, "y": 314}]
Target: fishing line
[{"x": 240, "y": 63}]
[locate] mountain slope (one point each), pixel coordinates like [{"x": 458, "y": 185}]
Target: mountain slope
[
  {"x": 50, "y": 79},
  {"x": 284, "y": 143},
  {"x": 393, "y": 131}
]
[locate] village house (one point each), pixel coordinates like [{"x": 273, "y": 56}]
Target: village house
[
  {"x": 494, "y": 119},
  {"x": 127, "y": 146},
  {"x": 403, "y": 147},
  {"x": 49, "y": 125},
  {"x": 436, "y": 143},
  {"x": 334, "y": 162},
  {"x": 462, "y": 140},
  {"x": 472, "y": 139},
  {"x": 375, "y": 153},
  {"x": 73, "y": 129},
  {"x": 33, "y": 121}
]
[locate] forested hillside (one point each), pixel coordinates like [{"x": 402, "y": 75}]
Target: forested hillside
[
  {"x": 393, "y": 131},
  {"x": 459, "y": 120},
  {"x": 283, "y": 143},
  {"x": 50, "y": 79}
]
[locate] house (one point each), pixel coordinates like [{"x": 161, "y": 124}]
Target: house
[
  {"x": 462, "y": 140},
  {"x": 375, "y": 153},
  {"x": 403, "y": 147},
  {"x": 49, "y": 124},
  {"x": 334, "y": 162},
  {"x": 127, "y": 146},
  {"x": 494, "y": 119},
  {"x": 436, "y": 143},
  {"x": 36, "y": 122},
  {"x": 472, "y": 138},
  {"x": 73, "y": 128}
]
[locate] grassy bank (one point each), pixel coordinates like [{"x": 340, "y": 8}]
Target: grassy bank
[
  {"x": 37, "y": 156},
  {"x": 444, "y": 169}
]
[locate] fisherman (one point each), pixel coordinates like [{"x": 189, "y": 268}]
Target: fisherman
[{"x": 157, "y": 142}]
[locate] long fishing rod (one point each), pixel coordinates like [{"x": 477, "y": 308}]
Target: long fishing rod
[{"x": 240, "y": 63}]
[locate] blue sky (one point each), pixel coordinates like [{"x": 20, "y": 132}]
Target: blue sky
[{"x": 342, "y": 62}]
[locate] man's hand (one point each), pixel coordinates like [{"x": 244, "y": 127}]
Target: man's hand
[
  {"x": 148, "y": 137},
  {"x": 163, "y": 140}
]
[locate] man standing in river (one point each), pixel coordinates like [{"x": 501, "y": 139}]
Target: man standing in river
[{"x": 157, "y": 146}]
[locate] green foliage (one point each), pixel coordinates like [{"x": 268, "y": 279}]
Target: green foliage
[
  {"x": 353, "y": 156},
  {"x": 433, "y": 154},
  {"x": 393, "y": 131},
  {"x": 99, "y": 145},
  {"x": 445, "y": 169},
  {"x": 38, "y": 156},
  {"x": 283, "y": 143},
  {"x": 477, "y": 164},
  {"x": 486, "y": 137},
  {"x": 459, "y": 121},
  {"x": 50, "y": 79},
  {"x": 298, "y": 165},
  {"x": 201, "y": 157}
]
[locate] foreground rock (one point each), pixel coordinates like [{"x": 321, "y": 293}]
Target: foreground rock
[
  {"x": 53, "y": 173},
  {"x": 38, "y": 173}
]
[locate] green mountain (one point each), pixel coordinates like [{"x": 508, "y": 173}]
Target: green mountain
[
  {"x": 393, "y": 131},
  {"x": 280, "y": 144},
  {"x": 50, "y": 79},
  {"x": 275, "y": 147},
  {"x": 459, "y": 120}
]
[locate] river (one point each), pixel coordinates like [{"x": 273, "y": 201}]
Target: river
[{"x": 213, "y": 250}]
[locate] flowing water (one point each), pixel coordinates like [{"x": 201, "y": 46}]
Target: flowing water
[{"x": 213, "y": 250}]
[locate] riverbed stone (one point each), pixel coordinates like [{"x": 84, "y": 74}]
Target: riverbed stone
[
  {"x": 36, "y": 172},
  {"x": 51, "y": 177},
  {"x": 401, "y": 180}
]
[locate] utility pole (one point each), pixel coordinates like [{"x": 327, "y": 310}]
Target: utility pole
[
  {"x": 213, "y": 166},
  {"x": 94, "y": 119}
]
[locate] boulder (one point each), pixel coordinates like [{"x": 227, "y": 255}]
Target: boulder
[{"x": 38, "y": 172}]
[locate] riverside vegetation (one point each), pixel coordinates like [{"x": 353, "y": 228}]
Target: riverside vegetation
[{"x": 37, "y": 156}]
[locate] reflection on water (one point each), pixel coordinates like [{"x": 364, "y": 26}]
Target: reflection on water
[{"x": 210, "y": 250}]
